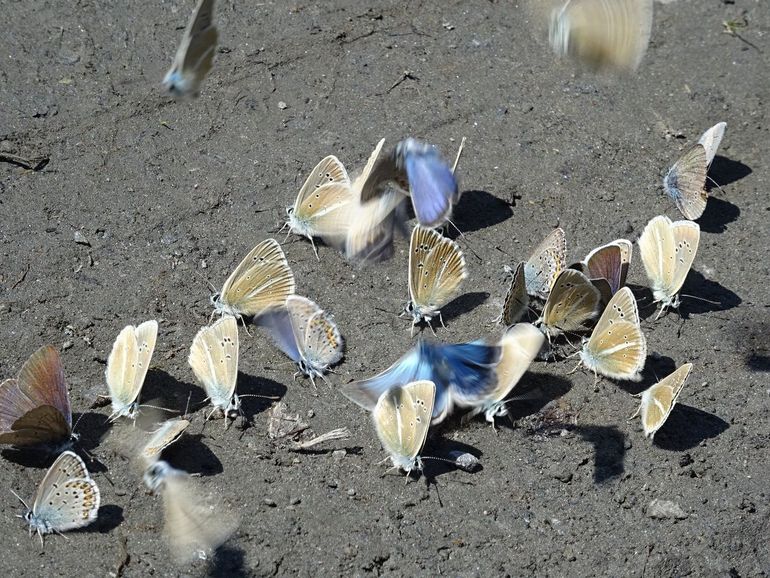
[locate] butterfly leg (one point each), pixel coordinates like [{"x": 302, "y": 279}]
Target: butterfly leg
[
  {"x": 315, "y": 249},
  {"x": 441, "y": 318}
]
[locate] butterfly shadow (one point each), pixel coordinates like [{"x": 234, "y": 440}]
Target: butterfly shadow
[
  {"x": 717, "y": 215},
  {"x": 698, "y": 286},
  {"x": 263, "y": 388},
  {"x": 687, "y": 427},
  {"x": 609, "y": 450},
  {"x": 534, "y": 395},
  {"x": 656, "y": 367},
  {"x": 108, "y": 518},
  {"x": 758, "y": 362},
  {"x": 168, "y": 392},
  {"x": 228, "y": 561},
  {"x": 190, "y": 454},
  {"x": 463, "y": 304},
  {"x": 725, "y": 171},
  {"x": 478, "y": 210}
]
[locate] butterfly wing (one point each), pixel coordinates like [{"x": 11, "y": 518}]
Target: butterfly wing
[
  {"x": 603, "y": 34},
  {"x": 548, "y": 260},
  {"x": 432, "y": 183},
  {"x": 214, "y": 360},
  {"x": 278, "y": 324},
  {"x": 436, "y": 269},
  {"x": 330, "y": 171},
  {"x": 322, "y": 205},
  {"x": 402, "y": 418},
  {"x": 656, "y": 245},
  {"x": 67, "y": 497},
  {"x": 318, "y": 340},
  {"x": 43, "y": 424},
  {"x": 711, "y": 140},
  {"x": 261, "y": 281},
  {"x": 41, "y": 379},
  {"x": 609, "y": 262},
  {"x": 516, "y": 299},
  {"x": 686, "y": 236},
  {"x": 659, "y": 400},
  {"x": 685, "y": 182},
  {"x": 128, "y": 363},
  {"x": 164, "y": 436},
  {"x": 360, "y": 181},
  {"x": 573, "y": 300},
  {"x": 413, "y": 366}
]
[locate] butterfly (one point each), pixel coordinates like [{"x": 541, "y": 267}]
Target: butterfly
[
  {"x": 617, "y": 347},
  {"x": 194, "y": 527},
  {"x": 573, "y": 300},
  {"x": 307, "y": 334},
  {"x": 659, "y": 399},
  {"x": 402, "y": 418},
  {"x": 711, "y": 140},
  {"x": 169, "y": 431},
  {"x": 66, "y": 499},
  {"x": 419, "y": 167},
  {"x": 668, "y": 250},
  {"x": 516, "y": 300},
  {"x": 194, "y": 57},
  {"x": 602, "y": 34},
  {"x": 35, "y": 407},
  {"x": 544, "y": 265},
  {"x": 214, "y": 360},
  {"x": 519, "y": 346},
  {"x": 609, "y": 262},
  {"x": 127, "y": 367},
  {"x": 261, "y": 281},
  {"x": 685, "y": 182},
  {"x": 462, "y": 373},
  {"x": 436, "y": 270}
]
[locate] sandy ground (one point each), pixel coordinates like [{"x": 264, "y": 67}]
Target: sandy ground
[{"x": 158, "y": 188}]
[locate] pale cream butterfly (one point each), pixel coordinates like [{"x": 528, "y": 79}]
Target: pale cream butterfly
[
  {"x": 127, "y": 367},
  {"x": 546, "y": 262},
  {"x": 321, "y": 208},
  {"x": 516, "y": 300},
  {"x": 195, "y": 526},
  {"x": 66, "y": 499},
  {"x": 168, "y": 432},
  {"x": 685, "y": 182},
  {"x": 659, "y": 399},
  {"x": 711, "y": 140},
  {"x": 194, "y": 57},
  {"x": 402, "y": 418},
  {"x": 602, "y": 34},
  {"x": 436, "y": 270},
  {"x": 214, "y": 360},
  {"x": 573, "y": 300},
  {"x": 519, "y": 346},
  {"x": 668, "y": 250},
  {"x": 262, "y": 281},
  {"x": 617, "y": 347}
]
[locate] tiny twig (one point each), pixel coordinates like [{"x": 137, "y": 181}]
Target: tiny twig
[{"x": 21, "y": 278}]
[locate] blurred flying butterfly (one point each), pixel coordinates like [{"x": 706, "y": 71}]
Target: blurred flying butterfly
[
  {"x": 573, "y": 300},
  {"x": 711, "y": 140},
  {"x": 307, "y": 334},
  {"x": 35, "y": 407},
  {"x": 402, "y": 418},
  {"x": 261, "y": 281},
  {"x": 127, "y": 367},
  {"x": 214, "y": 360},
  {"x": 463, "y": 373},
  {"x": 617, "y": 347},
  {"x": 168, "y": 432},
  {"x": 546, "y": 262},
  {"x": 520, "y": 344},
  {"x": 668, "y": 250},
  {"x": 66, "y": 499},
  {"x": 516, "y": 299},
  {"x": 436, "y": 270},
  {"x": 602, "y": 34},
  {"x": 659, "y": 399},
  {"x": 610, "y": 263},
  {"x": 194, "y": 526},
  {"x": 194, "y": 57},
  {"x": 685, "y": 182},
  {"x": 430, "y": 180}
]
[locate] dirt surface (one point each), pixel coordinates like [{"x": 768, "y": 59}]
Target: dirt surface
[{"x": 171, "y": 194}]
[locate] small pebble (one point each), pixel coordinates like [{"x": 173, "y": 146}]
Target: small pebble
[
  {"x": 662, "y": 509},
  {"x": 269, "y": 502},
  {"x": 310, "y": 413},
  {"x": 351, "y": 492},
  {"x": 295, "y": 501},
  {"x": 339, "y": 455},
  {"x": 66, "y": 345},
  {"x": 80, "y": 239},
  {"x": 282, "y": 105},
  {"x": 332, "y": 483}
]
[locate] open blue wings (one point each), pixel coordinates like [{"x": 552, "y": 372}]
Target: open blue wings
[
  {"x": 460, "y": 371},
  {"x": 432, "y": 183}
]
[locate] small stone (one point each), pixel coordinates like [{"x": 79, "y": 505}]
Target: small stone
[
  {"x": 204, "y": 265},
  {"x": 465, "y": 461},
  {"x": 269, "y": 502},
  {"x": 351, "y": 492},
  {"x": 295, "y": 501},
  {"x": 685, "y": 460},
  {"x": 120, "y": 492},
  {"x": 333, "y": 483},
  {"x": 339, "y": 455},
  {"x": 310, "y": 413},
  {"x": 80, "y": 239},
  {"x": 66, "y": 345},
  {"x": 564, "y": 476},
  {"x": 663, "y": 509},
  {"x": 282, "y": 105}
]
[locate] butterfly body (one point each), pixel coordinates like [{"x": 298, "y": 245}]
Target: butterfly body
[
  {"x": 195, "y": 54},
  {"x": 66, "y": 499}
]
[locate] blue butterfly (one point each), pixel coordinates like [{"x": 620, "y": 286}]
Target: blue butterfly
[
  {"x": 462, "y": 372},
  {"x": 430, "y": 180}
]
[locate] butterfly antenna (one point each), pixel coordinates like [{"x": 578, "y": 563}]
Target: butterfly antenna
[
  {"x": 187, "y": 406},
  {"x": 459, "y": 152},
  {"x": 271, "y": 397},
  {"x": 716, "y": 184},
  {"x": 160, "y": 408},
  {"x": 76, "y": 423},
  {"x": 575, "y": 368},
  {"x": 700, "y": 299},
  {"x": 21, "y": 500}
]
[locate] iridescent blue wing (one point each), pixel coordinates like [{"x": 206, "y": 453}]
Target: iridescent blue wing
[
  {"x": 278, "y": 325},
  {"x": 431, "y": 183}
]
